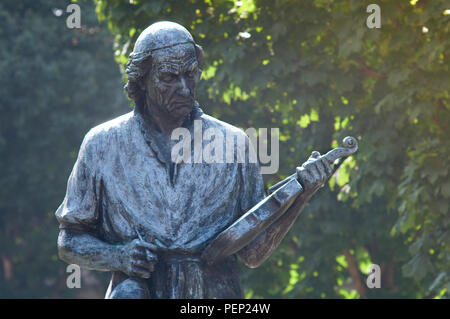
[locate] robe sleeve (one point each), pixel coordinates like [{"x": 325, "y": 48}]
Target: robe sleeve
[{"x": 80, "y": 207}]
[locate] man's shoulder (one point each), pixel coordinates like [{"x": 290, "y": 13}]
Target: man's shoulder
[
  {"x": 226, "y": 128},
  {"x": 109, "y": 129}
]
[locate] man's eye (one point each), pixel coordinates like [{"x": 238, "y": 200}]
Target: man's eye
[
  {"x": 190, "y": 74},
  {"x": 169, "y": 77}
]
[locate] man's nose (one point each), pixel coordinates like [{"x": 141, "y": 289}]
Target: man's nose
[{"x": 183, "y": 90}]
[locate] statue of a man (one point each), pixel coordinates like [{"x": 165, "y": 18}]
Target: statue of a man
[{"x": 130, "y": 209}]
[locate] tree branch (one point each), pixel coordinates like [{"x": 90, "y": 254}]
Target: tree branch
[
  {"x": 368, "y": 71},
  {"x": 355, "y": 274},
  {"x": 7, "y": 268}
]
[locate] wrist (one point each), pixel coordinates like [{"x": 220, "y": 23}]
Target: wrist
[{"x": 117, "y": 257}]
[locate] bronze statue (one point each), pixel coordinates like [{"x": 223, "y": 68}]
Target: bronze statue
[{"x": 165, "y": 228}]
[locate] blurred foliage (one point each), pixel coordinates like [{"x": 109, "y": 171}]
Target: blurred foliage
[
  {"x": 313, "y": 69},
  {"x": 55, "y": 84}
]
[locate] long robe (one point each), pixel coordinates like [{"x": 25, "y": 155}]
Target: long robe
[{"x": 122, "y": 185}]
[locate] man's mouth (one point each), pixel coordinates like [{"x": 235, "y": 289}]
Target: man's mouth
[{"x": 177, "y": 104}]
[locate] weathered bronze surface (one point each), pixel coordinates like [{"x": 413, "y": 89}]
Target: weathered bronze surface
[{"x": 168, "y": 229}]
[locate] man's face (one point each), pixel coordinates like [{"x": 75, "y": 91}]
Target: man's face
[{"x": 171, "y": 82}]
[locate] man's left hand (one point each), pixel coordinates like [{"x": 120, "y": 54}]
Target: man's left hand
[{"x": 314, "y": 173}]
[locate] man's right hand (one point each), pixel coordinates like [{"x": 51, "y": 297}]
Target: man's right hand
[{"x": 137, "y": 259}]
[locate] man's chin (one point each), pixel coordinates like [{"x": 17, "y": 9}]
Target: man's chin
[{"x": 180, "y": 110}]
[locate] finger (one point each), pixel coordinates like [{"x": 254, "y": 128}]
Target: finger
[
  {"x": 140, "y": 272},
  {"x": 150, "y": 266},
  {"x": 321, "y": 169},
  {"x": 315, "y": 154},
  {"x": 305, "y": 177},
  {"x": 142, "y": 253},
  {"x": 311, "y": 159},
  {"x": 301, "y": 174},
  {"x": 327, "y": 166},
  {"x": 144, "y": 244},
  {"x": 312, "y": 169},
  {"x": 145, "y": 250},
  {"x": 309, "y": 178}
]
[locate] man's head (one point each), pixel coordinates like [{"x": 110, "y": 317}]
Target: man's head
[{"x": 163, "y": 69}]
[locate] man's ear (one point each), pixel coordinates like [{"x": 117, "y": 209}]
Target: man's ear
[
  {"x": 199, "y": 53},
  {"x": 146, "y": 73},
  {"x": 198, "y": 75}
]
